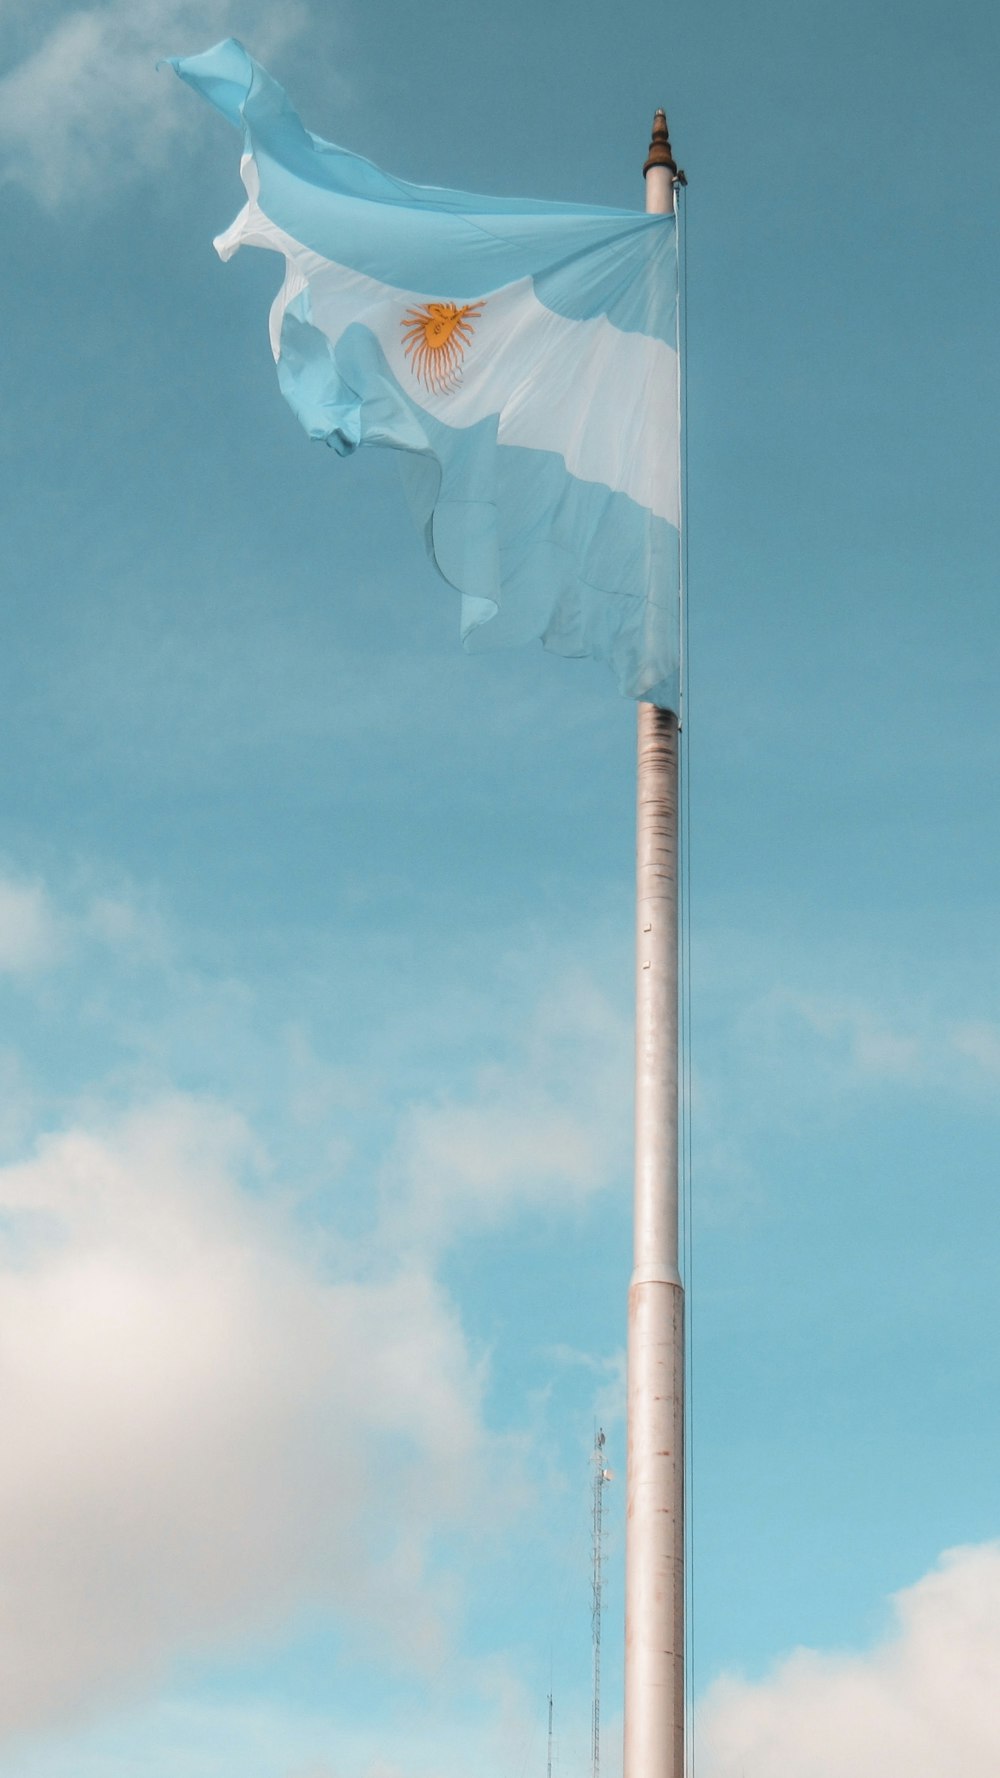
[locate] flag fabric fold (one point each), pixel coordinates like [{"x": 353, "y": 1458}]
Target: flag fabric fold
[{"x": 519, "y": 354}]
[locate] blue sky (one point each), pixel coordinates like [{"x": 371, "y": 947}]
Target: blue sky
[{"x": 315, "y": 934}]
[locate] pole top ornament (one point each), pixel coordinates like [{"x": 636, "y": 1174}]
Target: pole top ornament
[{"x": 660, "y": 152}]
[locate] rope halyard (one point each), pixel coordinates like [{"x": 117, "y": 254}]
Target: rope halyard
[{"x": 686, "y": 1072}]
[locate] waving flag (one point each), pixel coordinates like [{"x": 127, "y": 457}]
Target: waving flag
[{"x": 520, "y": 355}]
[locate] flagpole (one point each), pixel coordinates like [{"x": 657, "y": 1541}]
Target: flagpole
[{"x": 654, "y": 1542}]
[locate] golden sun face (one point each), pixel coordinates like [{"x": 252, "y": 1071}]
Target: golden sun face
[{"x": 436, "y": 337}]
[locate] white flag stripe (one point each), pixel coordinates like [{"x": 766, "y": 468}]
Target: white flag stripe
[{"x": 554, "y": 383}]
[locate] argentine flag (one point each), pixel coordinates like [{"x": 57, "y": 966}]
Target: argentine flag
[{"x": 520, "y": 355}]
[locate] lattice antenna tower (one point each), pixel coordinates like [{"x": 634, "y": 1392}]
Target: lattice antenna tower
[
  {"x": 548, "y": 1760},
  {"x": 601, "y": 1477}
]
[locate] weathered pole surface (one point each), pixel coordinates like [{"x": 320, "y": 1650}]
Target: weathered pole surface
[{"x": 654, "y": 1547}]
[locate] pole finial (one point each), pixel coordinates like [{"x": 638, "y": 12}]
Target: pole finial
[{"x": 660, "y": 151}]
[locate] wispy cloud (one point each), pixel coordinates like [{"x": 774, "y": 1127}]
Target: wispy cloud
[
  {"x": 922, "y": 1702},
  {"x": 865, "y": 1045},
  {"x": 41, "y": 931},
  {"x": 32, "y": 933},
  {"x": 479, "y": 1719},
  {"x": 83, "y": 110},
  {"x": 979, "y": 1043},
  {"x": 863, "y": 1034},
  {"x": 609, "y": 1381},
  {"x": 545, "y": 1128}
]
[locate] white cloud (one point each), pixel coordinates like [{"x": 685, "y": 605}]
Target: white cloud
[
  {"x": 40, "y": 931},
  {"x": 979, "y": 1043},
  {"x": 789, "y": 1054},
  {"x": 31, "y": 935},
  {"x": 212, "y": 1429},
  {"x": 218, "y": 1425},
  {"x": 861, "y": 1039},
  {"x": 84, "y": 108},
  {"x": 124, "y": 926},
  {"x": 610, "y": 1383},
  {"x": 547, "y": 1128},
  {"x": 922, "y": 1703}
]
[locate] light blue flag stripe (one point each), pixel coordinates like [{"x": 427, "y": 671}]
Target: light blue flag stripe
[
  {"x": 451, "y": 244},
  {"x": 535, "y": 550}
]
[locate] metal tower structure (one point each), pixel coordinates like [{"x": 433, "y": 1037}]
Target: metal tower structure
[
  {"x": 601, "y": 1477},
  {"x": 548, "y": 1762}
]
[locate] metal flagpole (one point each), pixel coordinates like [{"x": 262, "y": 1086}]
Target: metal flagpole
[{"x": 654, "y": 1544}]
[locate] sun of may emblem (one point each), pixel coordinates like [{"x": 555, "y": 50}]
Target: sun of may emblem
[{"x": 436, "y": 337}]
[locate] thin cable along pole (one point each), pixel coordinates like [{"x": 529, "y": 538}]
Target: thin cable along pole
[
  {"x": 654, "y": 1542},
  {"x": 686, "y": 1015}
]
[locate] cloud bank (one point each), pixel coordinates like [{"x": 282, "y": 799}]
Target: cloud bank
[
  {"x": 216, "y": 1424},
  {"x": 224, "y": 1423},
  {"x": 922, "y": 1703}
]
